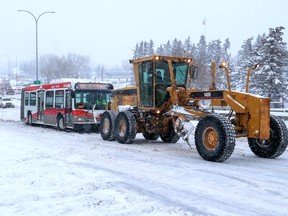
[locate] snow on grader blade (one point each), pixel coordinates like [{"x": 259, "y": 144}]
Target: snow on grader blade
[{"x": 162, "y": 104}]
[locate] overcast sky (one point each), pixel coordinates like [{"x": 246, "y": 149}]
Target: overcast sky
[{"x": 108, "y": 30}]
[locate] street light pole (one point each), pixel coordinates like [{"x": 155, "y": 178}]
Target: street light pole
[{"x": 36, "y": 22}]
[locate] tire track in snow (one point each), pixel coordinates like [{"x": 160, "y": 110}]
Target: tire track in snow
[{"x": 190, "y": 201}]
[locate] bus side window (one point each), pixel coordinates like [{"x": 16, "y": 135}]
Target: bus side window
[
  {"x": 32, "y": 98},
  {"x": 59, "y": 99},
  {"x": 26, "y": 98},
  {"x": 49, "y": 99}
]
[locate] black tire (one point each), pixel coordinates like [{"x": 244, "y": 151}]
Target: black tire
[
  {"x": 107, "y": 125},
  {"x": 170, "y": 136},
  {"x": 276, "y": 145},
  {"x": 150, "y": 136},
  {"x": 125, "y": 127},
  {"x": 29, "y": 119},
  {"x": 60, "y": 123},
  {"x": 215, "y": 138}
]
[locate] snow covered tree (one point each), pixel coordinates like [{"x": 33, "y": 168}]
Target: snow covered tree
[
  {"x": 245, "y": 59},
  {"x": 160, "y": 50},
  {"x": 214, "y": 52},
  {"x": 271, "y": 53},
  {"x": 204, "y": 76},
  {"x": 225, "y": 50},
  {"x": 177, "y": 48},
  {"x": 167, "y": 48},
  {"x": 145, "y": 48},
  {"x": 150, "y": 49},
  {"x": 136, "y": 51}
]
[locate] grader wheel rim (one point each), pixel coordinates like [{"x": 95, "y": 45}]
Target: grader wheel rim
[
  {"x": 122, "y": 128},
  {"x": 210, "y": 138},
  {"x": 265, "y": 143},
  {"x": 106, "y": 126}
]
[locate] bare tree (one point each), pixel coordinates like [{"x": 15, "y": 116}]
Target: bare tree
[{"x": 69, "y": 66}]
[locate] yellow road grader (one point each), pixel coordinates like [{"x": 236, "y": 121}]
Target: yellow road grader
[{"x": 162, "y": 104}]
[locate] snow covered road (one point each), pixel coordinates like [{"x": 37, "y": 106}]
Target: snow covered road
[{"x": 47, "y": 172}]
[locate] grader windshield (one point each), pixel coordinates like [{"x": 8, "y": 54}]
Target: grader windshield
[{"x": 155, "y": 77}]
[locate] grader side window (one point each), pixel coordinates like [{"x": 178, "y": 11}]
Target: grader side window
[{"x": 181, "y": 72}]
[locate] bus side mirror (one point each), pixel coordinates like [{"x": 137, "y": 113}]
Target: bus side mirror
[
  {"x": 72, "y": 94},
  {"x": 193, "y": 72}
]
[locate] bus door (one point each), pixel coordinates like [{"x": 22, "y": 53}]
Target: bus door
[
  {"x": 40, "y": 105},
  {"x": 68, "y": 108}
]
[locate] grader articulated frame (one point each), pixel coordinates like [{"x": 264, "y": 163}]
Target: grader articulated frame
[{"x": 161, "y": 104}]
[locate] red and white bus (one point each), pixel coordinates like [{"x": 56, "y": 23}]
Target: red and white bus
[{"x": 73, "y": 105}]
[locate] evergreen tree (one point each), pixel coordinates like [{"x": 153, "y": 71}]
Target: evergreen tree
[
  {"x": 271, "y": 52},
  {"x": 141, "y": 49},
  {"x": 226, "y": 56},
  {"x": 160, "y": 50},
  {"x": 145, "y": 48},
  {"x": 188, "y": 47},
  {"x": 177, "y": 48},
  {"x": 204, "y": 76},
  {"x": 214, "y": 53},
  {"x": 136, "y": 51},
  {"x": 167, "y": 48},
  {"x": 244, "y": 60},
  {"x": 150, "y": 50}
]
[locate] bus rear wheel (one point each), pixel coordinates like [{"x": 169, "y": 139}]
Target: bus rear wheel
[{"x": 29, "y": 119}]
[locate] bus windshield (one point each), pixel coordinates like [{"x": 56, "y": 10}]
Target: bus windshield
[{"x": 87, "y": 99}]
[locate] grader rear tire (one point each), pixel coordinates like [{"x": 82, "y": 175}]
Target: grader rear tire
[
  {"x": 215, "y": 138},
  {"x": 107, "y": 125},
  {"x": 125, "y": 127},
  {"x": 276, "y": 145}
]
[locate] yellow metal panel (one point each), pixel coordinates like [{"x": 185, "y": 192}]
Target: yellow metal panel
[
  {"x": 234, "y": 104},
  {"x": 259, "y": 121}
]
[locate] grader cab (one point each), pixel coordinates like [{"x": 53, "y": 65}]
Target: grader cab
[{"x": 162, "y": 104}]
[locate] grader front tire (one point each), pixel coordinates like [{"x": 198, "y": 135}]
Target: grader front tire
[
  {"x": 276, "y": 145},
  {"x": 215, "y": 138}
]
